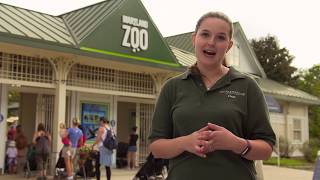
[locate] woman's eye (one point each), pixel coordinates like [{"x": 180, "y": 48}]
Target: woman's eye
[
  {"x": 204, "y": 34},
  {"x": 221, "y": 38}
]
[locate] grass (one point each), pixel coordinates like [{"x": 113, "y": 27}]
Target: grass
[{"x": 297, "y": 163}]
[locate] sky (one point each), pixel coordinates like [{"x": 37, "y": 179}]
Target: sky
[{"x": 295, "y": 23}]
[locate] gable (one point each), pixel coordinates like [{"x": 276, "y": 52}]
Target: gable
[
  {"x": 241, "y": 55},
  {"x": 83, "y": 21},
  {"x": 128, "y": 32}
]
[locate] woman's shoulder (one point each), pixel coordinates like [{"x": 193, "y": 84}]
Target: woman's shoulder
[
  {"x": 102, "y": 129},
  {"x": 173, "y": 83},
  {"x": 243, "y": 77}
]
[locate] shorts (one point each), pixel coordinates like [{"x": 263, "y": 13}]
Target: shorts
[
  {"x": 12, "y": 161},
  {"x": 69, "y": 152},
  {"x": 42, "y": 160},
  {"x": 132, "y": 149}
]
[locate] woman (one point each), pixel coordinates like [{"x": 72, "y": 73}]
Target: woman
[
  {"x": 42, "y": 140},
  {"x": 211, "y": 121},
  {"x": 66, "y": 149},
  {"x": 104, "y": 156},
  {"x": 21, "y": 143},
  {"x": 132, "y": 148}
]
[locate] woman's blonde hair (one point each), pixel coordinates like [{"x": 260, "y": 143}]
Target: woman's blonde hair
[
  {"x": 62, "y": 125},
  {"x": 218, "y": 15}
]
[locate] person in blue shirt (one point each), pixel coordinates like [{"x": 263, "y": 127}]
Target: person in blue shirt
[{"x": 75, "y": 134}]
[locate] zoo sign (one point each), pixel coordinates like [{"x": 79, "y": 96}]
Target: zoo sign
[{"x": 135, "y": 33}]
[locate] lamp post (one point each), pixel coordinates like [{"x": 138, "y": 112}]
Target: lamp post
[{"x": 278, "y": 147}]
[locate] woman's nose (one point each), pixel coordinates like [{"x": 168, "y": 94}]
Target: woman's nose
[{"x": 212, "y": 41}]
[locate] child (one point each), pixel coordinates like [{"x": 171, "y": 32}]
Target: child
[
  {"x": 66, "y": 150},
  {"x": 12, "y": 156}
]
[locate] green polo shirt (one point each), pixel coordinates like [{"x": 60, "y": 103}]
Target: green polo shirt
[{"x": 234, "y": 102}]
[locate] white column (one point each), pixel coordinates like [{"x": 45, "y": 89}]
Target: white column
[
  {"x": 74, "y": 105},
  {"x": 113, "y": 110},
  {"x": 138, "y": 122},
  {"x": 58, "y": 117},
  {"x": 3, "y": 124},
  {"x": 306, "y": 125}
]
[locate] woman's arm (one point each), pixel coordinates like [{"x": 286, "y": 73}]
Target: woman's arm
[
  {"x": 49, "y": 136},
  {"x": 35, "y": 135},
  {"x": 170, "y": 148},
  {"x": 222, "y": 139},
  {"x": 260, "y": 150},
  {"x": 98, "y": 138}
]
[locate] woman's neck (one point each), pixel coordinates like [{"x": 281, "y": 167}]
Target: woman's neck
[{"x": 211, "y": 74}]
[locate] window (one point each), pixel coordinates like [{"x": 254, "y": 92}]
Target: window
[
  {"x": 273, "y": 104},
  {"x": 297, "y": 130}
]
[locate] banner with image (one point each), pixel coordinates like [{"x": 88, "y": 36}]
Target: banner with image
[{"x": 90, "y": 115}]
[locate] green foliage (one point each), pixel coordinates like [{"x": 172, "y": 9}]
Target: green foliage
[
  {"x": 285, "y": 161},
  {"x": 14, "y": 96},
  {"x": 310, "y": 149},
  {"x": 309, "y": 81},
  {"x": 274, "y": 60},
  {"x": 289, "y": 162},
  {"x": 285, "y": 147}
]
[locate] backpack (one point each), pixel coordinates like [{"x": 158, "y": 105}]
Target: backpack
[
  {"x": 42, "y": 145},
  {"x": 110, "y": 142}
]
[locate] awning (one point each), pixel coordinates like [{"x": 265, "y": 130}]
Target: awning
[{"x": 273, "y": 104}]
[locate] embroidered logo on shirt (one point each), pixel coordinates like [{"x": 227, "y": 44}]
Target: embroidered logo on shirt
[{"x": 232, "y": 94}]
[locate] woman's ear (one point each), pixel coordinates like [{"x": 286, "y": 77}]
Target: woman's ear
[{"x": 230, "y": 45}]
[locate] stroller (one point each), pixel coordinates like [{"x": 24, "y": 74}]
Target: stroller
[
  {"x": 122, "y": 151},
  {"x": 60, "y": 169},
  {"x": 88, "y": 167},
  {"x": 153, "y": 168},
  {"x": 31, "y": 163}
]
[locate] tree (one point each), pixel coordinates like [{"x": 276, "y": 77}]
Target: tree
[
  {"x": 274, "y": 60},
  {"x": 309, "y": 81}
]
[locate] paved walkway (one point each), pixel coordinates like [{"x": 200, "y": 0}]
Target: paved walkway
[
  {"x": 270, "y": 173},
  {"x": 280, "y": 173}
]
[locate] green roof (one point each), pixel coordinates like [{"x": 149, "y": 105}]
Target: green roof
[
  {"x": 181, "y": 41},
  {"x": 95, "y": 31},
  {"x": 83, "y": 21},
  {"x": 17, "y": 22},
  {"x": 287, "y": 93},
  {"x": 185, "y": 58}
]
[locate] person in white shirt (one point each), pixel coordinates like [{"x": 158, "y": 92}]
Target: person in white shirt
[{"x": 12, "y": 153}]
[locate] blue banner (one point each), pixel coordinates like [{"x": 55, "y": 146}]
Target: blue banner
[{"x": 90, "y": 115}]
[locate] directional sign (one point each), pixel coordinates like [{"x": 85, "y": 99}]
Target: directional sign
[
  {"x": 1, "y": 118},
  {"x": 113, "y": 123}
]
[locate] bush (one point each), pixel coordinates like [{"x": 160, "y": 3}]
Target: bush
[
  {"x": 310, "y": 149},
  {"x": 286, "y": 147}
]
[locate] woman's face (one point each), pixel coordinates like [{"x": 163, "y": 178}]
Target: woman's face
[{"x": 212, "y": 41}]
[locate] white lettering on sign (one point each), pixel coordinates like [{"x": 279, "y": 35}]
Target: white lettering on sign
[{"x": 135, "y": 33}]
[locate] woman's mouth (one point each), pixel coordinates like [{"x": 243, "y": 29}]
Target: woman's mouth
[{"x": 209, "y": 52}]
